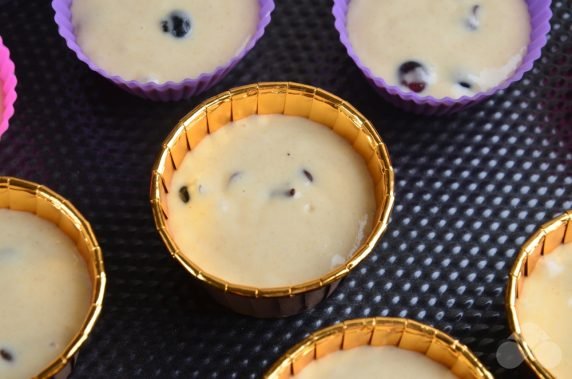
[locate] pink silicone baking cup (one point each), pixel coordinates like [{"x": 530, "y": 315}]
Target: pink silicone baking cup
[
  {"x": 540, "y": 15},
  {"x": 8, "y": 86},
  {"x": 168, "y": 91}
]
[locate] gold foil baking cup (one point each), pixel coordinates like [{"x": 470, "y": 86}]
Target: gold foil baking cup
[
  {"x": 273, "y": 98},
  {"x": 381, "y": 331},
  {"x": 22, "y": 195},
  {"x": 550, "y": 235}
]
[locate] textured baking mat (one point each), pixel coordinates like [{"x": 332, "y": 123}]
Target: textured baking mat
[{"x": 470, "y": 188}]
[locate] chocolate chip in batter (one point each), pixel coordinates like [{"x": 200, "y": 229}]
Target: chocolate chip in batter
[
  {"x": 178, "y": 24},
  {"x": 473, "y": 21},
  {"x": 184, "y": 194},
  {"x": 308, "y": 175},
  {"x": 291, "y": 192},
  {"x": 6, "y": 355},
  {"x": 413, "y": 75}
]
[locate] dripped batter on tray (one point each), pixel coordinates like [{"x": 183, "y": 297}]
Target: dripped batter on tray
[
  {"x": 271, "y": 201},
  {"x": 440, "y": 48},
  {"x": 544, "y": 309},
  {"x": 163, "y": 40},
  {"x": 45, "y": 293},
  {"x": 367, "y": 362}
]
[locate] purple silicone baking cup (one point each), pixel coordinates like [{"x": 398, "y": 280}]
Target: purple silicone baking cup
[
  {"x": 168, "y": 91},
  {"x": 540, "y": 15},
  {"x": 7, "y": 86}
]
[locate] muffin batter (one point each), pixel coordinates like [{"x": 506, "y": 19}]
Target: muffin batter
[
  {"x": 367, "y": 362},
  {"x": 271, "y": 201},
  {"x": 45, "y": 296},
  {"x": 545, "y": 309},
  {"x": 163, "y": 40},
  {"x": 443, "y": 48}
]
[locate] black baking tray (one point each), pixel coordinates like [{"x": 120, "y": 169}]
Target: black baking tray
[{"x": 470, "y": 188}]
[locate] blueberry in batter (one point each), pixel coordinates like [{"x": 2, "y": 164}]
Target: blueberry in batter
[
  {"x": 413, "y": 75},
  {"x": 178, "y": 24}
]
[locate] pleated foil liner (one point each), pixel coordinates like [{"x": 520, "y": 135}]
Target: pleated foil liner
[
  {"x": 381, "y": 331},
  {"x": 274, "y": 98},
  {"x": 550, "y": 235},
  {"x": 25, "y": 196}
]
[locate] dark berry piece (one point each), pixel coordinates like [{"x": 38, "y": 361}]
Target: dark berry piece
[
  {"x": 178, "y": 24},
  {"x": 413, "y": 75},
  {"x": 234, "y": 177},
  {"x": 473, "y": 21},
  {"x": 409, "y": 67},
  {"x": 184, "y": 194},
  {"x": 308, "y": 175},
  {"x": 417, "y": 86},
  {"x": 6, "y": 355},
  {"x": 283, "y": 193},
  {"x": 465, "y": 84}
]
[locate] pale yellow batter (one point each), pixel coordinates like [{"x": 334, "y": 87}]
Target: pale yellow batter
[
  {"x": 126, "y": 37},
  {"x": 545, "y": 311},
  {"x": 271, "y": 201},
  {"x": 460, "y": 43},
  {"x": 45, "y": 293},
  {"x": 367, "y": 362}
]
